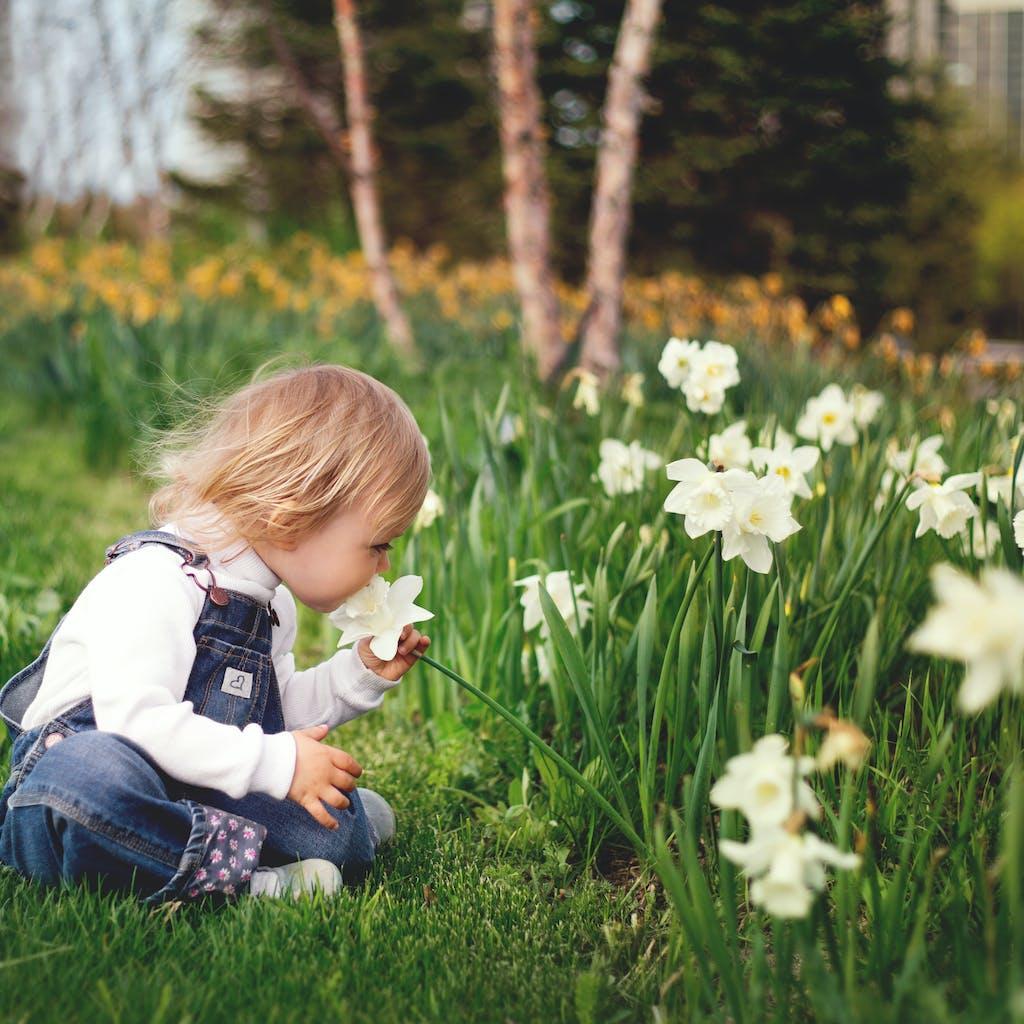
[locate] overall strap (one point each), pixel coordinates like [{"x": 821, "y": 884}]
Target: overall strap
[
  {"x": 133, "y": 541},
  {"x": 191, "y": 558}
]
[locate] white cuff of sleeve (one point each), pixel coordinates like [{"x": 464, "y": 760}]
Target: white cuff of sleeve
[
  {"x": 362, "y": 679},
  {"x": 276, "y": 767}
]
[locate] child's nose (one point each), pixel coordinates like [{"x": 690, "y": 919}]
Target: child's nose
[{"x": 387, "y": 563}]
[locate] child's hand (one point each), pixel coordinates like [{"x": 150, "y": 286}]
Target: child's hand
[
  {"x": 411, "y": 644},
  {"x": 321, "y": 772}
]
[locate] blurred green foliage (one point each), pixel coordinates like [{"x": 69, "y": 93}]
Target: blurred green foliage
[{"x": 1000, "y": 245}]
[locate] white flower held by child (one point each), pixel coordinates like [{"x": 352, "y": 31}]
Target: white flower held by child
[{"x": 381, "y": 611}]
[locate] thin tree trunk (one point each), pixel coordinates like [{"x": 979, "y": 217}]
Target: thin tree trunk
[
  {"x": 317, "y": 107},
  {"x": 363, "y": 182},
  {"x": 610, "y": 210},
  {"x": 527, "y": 201},
  {"x": 10, "y": 175},
  {"x": 9, "y": 114}
]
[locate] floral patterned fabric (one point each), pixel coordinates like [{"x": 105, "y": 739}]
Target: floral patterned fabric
[{"x": 231, "y": 856}]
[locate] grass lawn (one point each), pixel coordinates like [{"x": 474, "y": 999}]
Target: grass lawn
[{"x": 461, "y": 919}]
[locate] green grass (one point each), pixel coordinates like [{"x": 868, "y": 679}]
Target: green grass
[
  {"x": 684, "y": 663},
  {"x": 466, "y": 917},
  {"x": 449, "y": 926}
]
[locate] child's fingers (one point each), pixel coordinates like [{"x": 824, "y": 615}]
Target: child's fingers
[
  {"x": 410, "y": 641},
  {"x": 334, "y": 798},
  {"x": 346, "y": 762},
  {"x": 317, "y": 809},
  {"x": 342, "y": 780},
  {"x": 421, "y": 646}
]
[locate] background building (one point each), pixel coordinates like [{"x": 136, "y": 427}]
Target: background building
[{"x": 981, "y": 45}]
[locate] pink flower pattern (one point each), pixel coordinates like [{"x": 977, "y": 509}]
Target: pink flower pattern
[{"x": 231, "y": 872}]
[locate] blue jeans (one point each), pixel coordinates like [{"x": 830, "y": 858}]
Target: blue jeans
[{"x": 94, "y": 808}]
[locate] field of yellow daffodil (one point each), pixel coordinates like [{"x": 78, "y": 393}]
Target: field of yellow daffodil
[
  {"x": 742, "y": 626},
  {"x": 304, "y": 277}
]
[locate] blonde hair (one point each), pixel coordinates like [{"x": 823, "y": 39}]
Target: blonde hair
[{"x": 280, "y": 457}]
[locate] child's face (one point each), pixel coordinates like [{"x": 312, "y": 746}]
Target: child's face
[{"x": 326, "y": 567}]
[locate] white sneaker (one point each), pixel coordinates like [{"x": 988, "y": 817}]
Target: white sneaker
[
  {"x": 295, "y": 880},
  {"x": 380, "y": 815}
]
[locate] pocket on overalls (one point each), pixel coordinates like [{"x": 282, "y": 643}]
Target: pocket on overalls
[{"x": 232, "y": 679}]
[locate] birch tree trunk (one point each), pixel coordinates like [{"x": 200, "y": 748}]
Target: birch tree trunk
[
  {"x": 317, "y": 107},
  {"x": 363, "y": 183},
  {"x": 610, "y": 206},
  {"x": 10, "y": 177},
  {"x": 527, "y": 201}
]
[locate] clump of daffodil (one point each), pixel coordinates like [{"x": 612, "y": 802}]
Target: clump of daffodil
[{"x": 785, "y": 863}]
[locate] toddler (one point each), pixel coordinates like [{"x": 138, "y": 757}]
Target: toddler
[{"x": 163, "y": 741}]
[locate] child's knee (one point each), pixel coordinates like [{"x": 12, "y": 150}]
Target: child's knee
[{"x": 85, "y": 767}]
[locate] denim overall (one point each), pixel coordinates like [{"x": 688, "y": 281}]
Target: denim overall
[{"x": 86, "y": 805}]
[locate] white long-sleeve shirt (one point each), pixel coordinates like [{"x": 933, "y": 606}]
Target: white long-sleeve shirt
[{"x": 127, "y": 643}]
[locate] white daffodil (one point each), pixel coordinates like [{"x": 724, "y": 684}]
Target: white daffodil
[
  {"x": 731, "y": 448},
  {"x": 998, "y": 487},
  {"x": 557, "y": 586},
  {"x": 761, "y": 512},
  {"x": 984, "y": 543},
  {"x": 543, "y": 662},
  {"x": 866, "y": 405},
  {"x": 717, "y": 363},
  {"x": 748, "y": 510},
  {"x": 1018, "y": 529},
  {"x": 703, "y": 395},
  {"x": 432, "y": 507},
  {"x": 701, "y": 495},
  {"x": 587, "y": 396},
  {"x": 982, "y": 625},
  {"x": 510, "y": 428},
  {"x": 381, "y": 611},
  {"x": 923, "y": 460},
  {"x": 544, "y": 673},
  {"x": 623, "y": 466},
  {"x": 828, "y": 418},
  {"x": 703, "y": 373},
  {"x": 843, "y": 742},
  {"x": 766, "y": 784},
  {"x": 633, "y": 389},
  {"x": 788, "y": 869},
  {"x": 944, "y": 507},
  {"x": 676, "y": 360},
  {"x": 786, "y": 462},
  {"x": 884, "y": 489}
]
